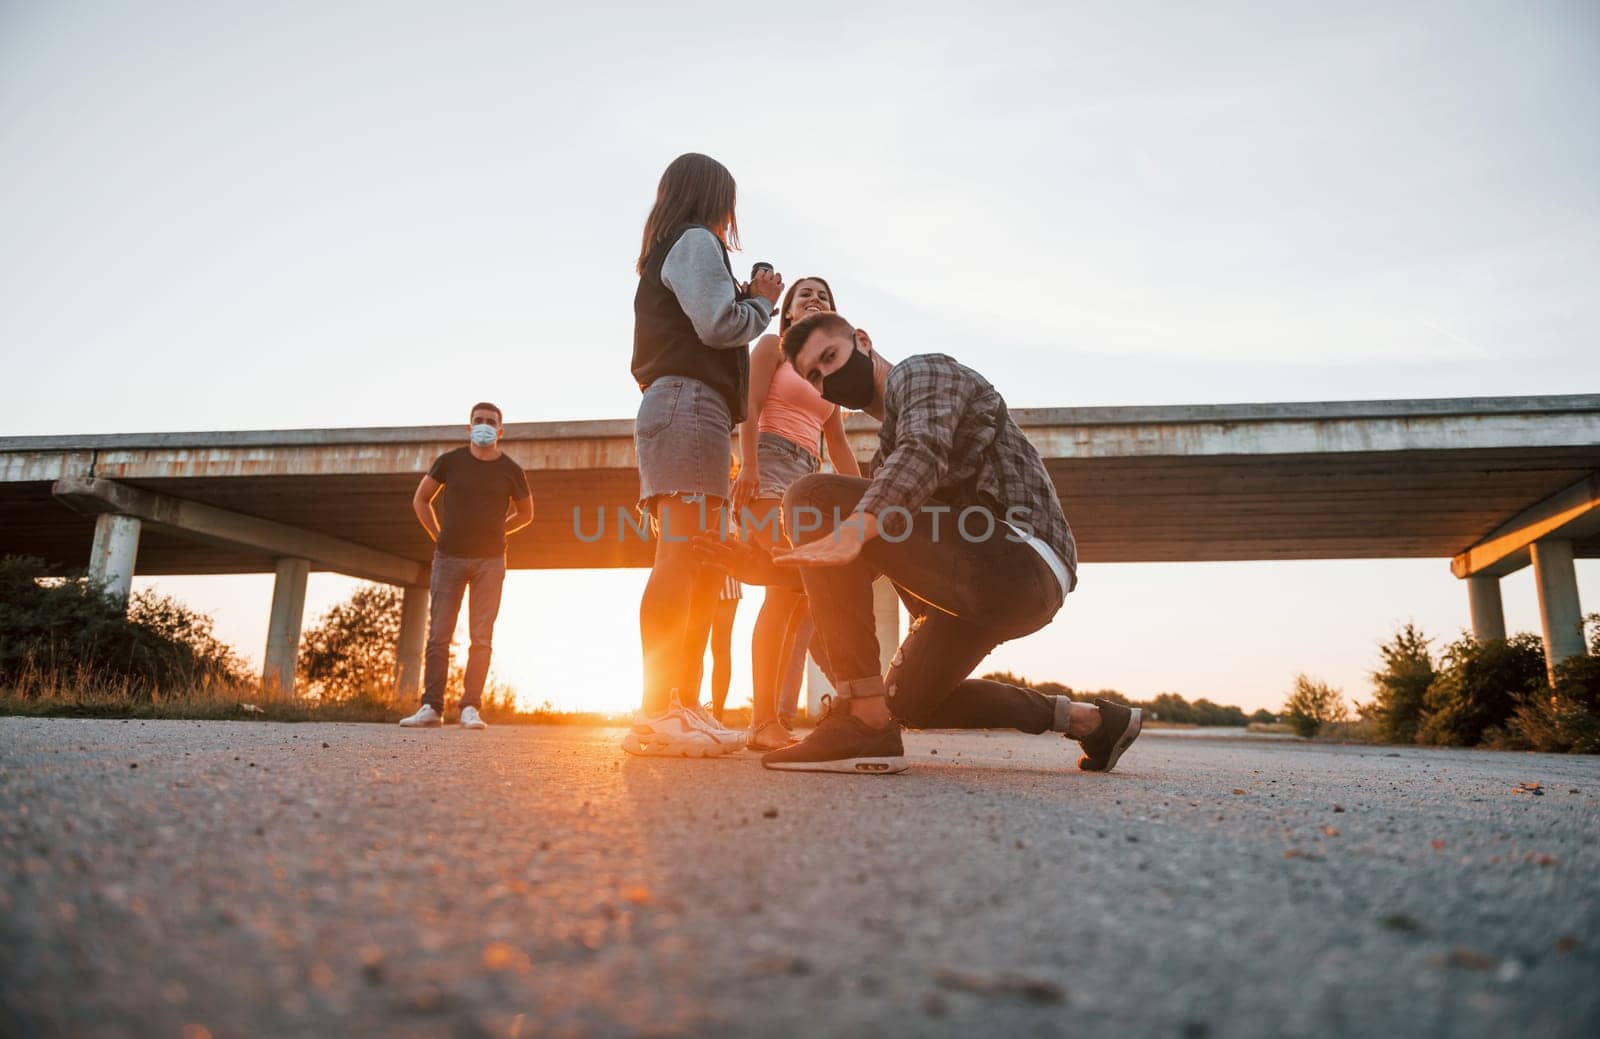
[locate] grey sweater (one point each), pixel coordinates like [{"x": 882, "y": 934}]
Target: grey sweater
[{"x": 695, "y": 272}]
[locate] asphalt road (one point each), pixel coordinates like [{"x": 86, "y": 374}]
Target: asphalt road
[{"x": 188, "y": 879}]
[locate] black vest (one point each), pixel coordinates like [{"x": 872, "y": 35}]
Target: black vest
[{"x": 665, "y": 342}]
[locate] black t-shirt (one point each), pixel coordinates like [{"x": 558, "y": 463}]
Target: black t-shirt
[{"x": 472, "y": 506}]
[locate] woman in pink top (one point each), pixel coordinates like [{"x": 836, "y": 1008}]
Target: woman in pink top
[{"x": 780, "y": 441}]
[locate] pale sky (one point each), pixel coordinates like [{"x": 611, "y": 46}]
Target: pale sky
[{"x": 227, "y": 216}]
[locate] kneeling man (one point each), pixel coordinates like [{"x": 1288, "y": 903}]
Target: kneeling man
[{"x": 961, "y": 515}]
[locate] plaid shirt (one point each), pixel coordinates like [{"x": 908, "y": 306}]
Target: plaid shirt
[{"x": 947, "y": 436}]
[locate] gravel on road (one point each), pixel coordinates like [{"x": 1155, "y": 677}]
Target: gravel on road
[{"x": 193, "y": 879}]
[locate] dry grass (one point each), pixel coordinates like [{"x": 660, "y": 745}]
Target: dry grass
[
  {"x": 85, "y": 696},
  {"x": 1351, "y": 730}
]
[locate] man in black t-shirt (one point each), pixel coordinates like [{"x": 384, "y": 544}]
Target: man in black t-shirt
[{"x": 485, "y": 497}]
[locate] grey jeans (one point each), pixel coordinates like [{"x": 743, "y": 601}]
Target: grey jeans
[{"x": 452, "y": 576}]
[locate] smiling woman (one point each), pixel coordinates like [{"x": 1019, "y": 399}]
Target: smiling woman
[{"x": 789, "y": 423}]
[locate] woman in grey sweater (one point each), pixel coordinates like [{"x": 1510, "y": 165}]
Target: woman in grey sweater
[{"x": 693, "y": 323}]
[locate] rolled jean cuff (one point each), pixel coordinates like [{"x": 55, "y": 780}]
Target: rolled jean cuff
[{"x": 859, "y": 688}]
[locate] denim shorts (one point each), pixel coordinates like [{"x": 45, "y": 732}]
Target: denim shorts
[
  {"x": 782, "y": 462},
  {"x": 681, "y": 436}
]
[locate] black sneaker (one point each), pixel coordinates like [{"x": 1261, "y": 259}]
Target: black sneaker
[
  {"x": 1119, "y": 727},
  {"x": 843, "y": 743}
]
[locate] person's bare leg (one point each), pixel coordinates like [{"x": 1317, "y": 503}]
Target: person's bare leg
[
  {"x": 767, "y": 656},
  {"x": 667, "y": 605},
  {"x": 722, "y": 653},
  {"x": 707, "y": 583},
  {"x": 1082, "y": 720},
  {"x": 791, "y": 662}
]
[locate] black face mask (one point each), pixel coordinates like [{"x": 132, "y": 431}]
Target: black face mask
[{"x": 852, "y": 386}]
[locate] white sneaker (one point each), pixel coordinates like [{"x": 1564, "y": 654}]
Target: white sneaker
[
  {"x": 425, "y": 718},
  {"x": 728, "y": 739},
  {"x": 671, "y": 734},
  {"x": 470, "y": 719}
]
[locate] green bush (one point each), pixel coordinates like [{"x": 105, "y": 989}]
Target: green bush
[
  {"x": 350, "y": 653},
  {"x": 1210, "y": 714},
  {"x": 1566, "y": 717},
  {"x": 1166, "y": 707},
  {"x": 1262, "y": 716},
  {"x": 1169, "y": 707},
  {"x": 1172, "y": 707},
  {"x": 1047, "y": 688},
  {"x": 1578, "y": 678},
  {"x": 1550, "y": 723},
  {"x": 1313, "y": 704},
  {"x": 62, "y": 634},
  {"x": 1400, "y": 686},
  {"x": 1478, "y": 688}
]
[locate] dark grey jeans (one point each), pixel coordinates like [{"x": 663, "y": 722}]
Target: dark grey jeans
[
  {"x": 452, "y": 576},
  {"x": 967, "y": 598}
]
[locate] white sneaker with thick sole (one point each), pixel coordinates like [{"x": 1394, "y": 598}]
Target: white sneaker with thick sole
[
  {"x": 470, "y": 719},
  {"x": 425, "y": 718},
  {"x": 671, "y": 734},
  {"x": 728, "y": 739}
]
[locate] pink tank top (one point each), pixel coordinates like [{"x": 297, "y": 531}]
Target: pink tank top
[{"x": 794, "y": 410}]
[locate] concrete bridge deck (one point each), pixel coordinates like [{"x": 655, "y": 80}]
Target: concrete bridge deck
[{"x": 1371, "y": 479}]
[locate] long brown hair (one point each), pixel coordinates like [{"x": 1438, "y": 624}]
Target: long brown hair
[
  {"x": 695, "y": 189},
  {"x": 784, "y": 320}
]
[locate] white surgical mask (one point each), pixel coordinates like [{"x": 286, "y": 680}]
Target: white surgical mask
[{"x": 484, "y": 434}]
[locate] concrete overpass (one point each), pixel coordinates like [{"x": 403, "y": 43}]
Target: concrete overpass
[{"x": 1493, "y": 484}]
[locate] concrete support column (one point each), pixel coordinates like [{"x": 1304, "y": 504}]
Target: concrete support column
[
  {"x": 413, "y": 637},
  {"x": 283, "y": 625},
  {"x": 886, "y": 617},
  {"x": 1488, "y": 614},
  {"x": 115, "y": 551},
  {"x": 1560, "y": 613}
]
